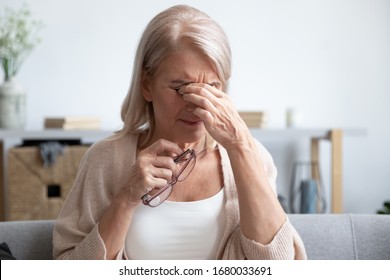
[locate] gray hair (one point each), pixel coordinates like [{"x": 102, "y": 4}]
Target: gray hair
[{"x": 165, "y": 33}]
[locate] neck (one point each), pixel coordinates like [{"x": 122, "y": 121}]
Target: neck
[{"x": 197, "y": 146}]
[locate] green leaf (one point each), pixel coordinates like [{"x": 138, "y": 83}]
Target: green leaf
[{"x": 18, "y": 37}]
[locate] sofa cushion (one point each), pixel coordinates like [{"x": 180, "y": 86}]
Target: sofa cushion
[
  {"x": 372, "y": 233},
  {"x": 28, "y": 240},
  {"x": 5, "y": 252},
  {"x": 326, "y": 237},
  {"x": 334, "y": 236}
]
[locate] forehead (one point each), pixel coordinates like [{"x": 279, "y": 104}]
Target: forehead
[{"x": 187, "y": 64}]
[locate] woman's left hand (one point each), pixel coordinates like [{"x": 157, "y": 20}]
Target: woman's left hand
[{"x": 218, "y": 114}]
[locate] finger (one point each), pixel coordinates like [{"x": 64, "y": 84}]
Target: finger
[
  {"x": 136, "y": 191},
  {"x": 135, "y": 194},
  {"x": 153, "y": 182},
  {"x": 162, "y": 173},
  {"x": 157, "y": 183},
  {"x": 200, "y": 101},
  {"x": 204, "y": 90},
  {"x": 164, "y": 162},
  {"x": 148, "y": 173},
  {"x": 205, "y": 116},
  {"x": 167, "y": 163},
  {"x": 156, "y": 191}
]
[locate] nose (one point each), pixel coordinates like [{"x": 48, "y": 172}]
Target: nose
[{"x": 190, "y": 107}]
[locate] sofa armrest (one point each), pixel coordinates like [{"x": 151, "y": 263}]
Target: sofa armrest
[
  {"x": 344, "y": 236},
  {"x": 28, "y": 240}
]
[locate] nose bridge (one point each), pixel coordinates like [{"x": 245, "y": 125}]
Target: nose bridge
[
  {"x": 202, "y": 77},
  {"x": 190, "y": 106}
]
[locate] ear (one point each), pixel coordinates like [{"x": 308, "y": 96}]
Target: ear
[{"x": 146, "y": 87}]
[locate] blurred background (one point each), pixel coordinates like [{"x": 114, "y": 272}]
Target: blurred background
[{"x": 329, "y": 60}]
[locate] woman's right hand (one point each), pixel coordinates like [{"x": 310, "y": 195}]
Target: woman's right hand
[{"x": 153, "y": 168}]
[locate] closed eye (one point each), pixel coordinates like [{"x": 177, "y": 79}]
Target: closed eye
[{"x": 177, "y": 88}]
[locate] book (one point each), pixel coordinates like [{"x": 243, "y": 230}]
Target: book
[
  {"x": 254, "y": 118},
  {"x": 68, "y": 123}
]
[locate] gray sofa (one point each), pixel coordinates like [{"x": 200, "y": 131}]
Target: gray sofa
[{"x": 326, "y": 236}]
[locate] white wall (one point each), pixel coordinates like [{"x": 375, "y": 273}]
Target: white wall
[{"x": 328, "y": 59}]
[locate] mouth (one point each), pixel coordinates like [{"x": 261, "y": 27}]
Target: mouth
[{"x": 192, "y": 122}]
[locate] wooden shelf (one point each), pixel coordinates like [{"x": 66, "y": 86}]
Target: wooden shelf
[
  {"x": 296, "y": 133},
  {"x": 334, "y": 136},
  {"x": 53, "y": 134}
]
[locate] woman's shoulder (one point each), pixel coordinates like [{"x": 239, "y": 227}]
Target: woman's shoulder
[{"x": 112, "y": 146}]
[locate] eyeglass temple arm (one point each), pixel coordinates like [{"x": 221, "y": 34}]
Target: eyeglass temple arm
[{"x": 179, "y": 157}]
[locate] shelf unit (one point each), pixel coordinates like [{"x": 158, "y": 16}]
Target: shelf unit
[
  {"x": 334, "y": 136},
  {"x": 8, "y": 138}
]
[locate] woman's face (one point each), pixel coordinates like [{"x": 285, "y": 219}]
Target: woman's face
[{"x": 174, "y": 117}]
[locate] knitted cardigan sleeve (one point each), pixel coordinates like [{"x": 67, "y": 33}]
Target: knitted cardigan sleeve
[
  {"x": 286, "y": 244},
  {"x": 75, "y": 234}
]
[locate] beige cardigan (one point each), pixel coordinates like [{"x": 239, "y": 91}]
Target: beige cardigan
[{"x": 104, "y": 171}]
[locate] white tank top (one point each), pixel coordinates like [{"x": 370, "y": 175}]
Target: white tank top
[{"x": 177, "y": 230}]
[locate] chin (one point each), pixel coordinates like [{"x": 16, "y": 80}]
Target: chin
[{"x": 191, "y": 137}]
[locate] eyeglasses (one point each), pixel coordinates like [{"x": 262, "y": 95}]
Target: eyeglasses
[{"x": 185, "y": 164}]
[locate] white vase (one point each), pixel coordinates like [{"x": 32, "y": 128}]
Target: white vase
[
  {"x": 12, "y": 105},
  {"x": 293, "y": 118}
]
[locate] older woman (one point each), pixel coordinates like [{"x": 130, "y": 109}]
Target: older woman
[{"x": 183, "y": 179}]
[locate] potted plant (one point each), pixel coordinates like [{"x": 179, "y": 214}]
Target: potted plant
[
  {"x": 18, "y": 37},
  {"x": 386, "y": 208}
]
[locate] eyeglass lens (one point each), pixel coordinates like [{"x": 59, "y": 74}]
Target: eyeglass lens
[
  {"x": 185, "y": 166},
  {"x": 185, "y": 163}
]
